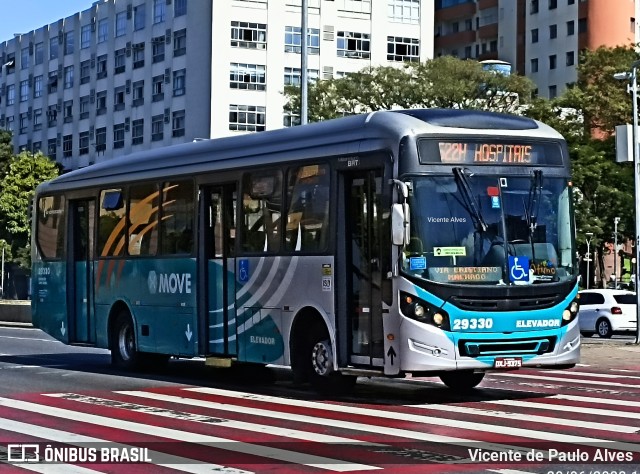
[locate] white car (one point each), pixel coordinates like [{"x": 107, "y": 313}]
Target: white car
[{"x": 605, "y": 312}]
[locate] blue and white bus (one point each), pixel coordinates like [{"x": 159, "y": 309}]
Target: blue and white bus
[{"x": 409, "y": 242}]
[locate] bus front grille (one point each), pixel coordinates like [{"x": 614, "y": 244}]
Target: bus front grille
[
  {"x": 475, "y": 348},
  {"x": 478, "y": 303}
]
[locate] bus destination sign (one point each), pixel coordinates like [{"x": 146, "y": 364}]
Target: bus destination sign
[{"x": 489, "y": 152}]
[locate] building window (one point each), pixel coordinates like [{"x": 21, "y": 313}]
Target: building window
[
  {"x": 534, "y": 35},
  {"x": 570, "y": 58},
  {"x": 121, "y": 23},
  {"x": 101, "y": 66},
  {"x": 85, "y": 36},
  {"x": 39, "y": 53},
  {"x": 101, "y": 139},
  {"x": 37, "y": 120},
  {"x": 10, "y": 123},
  {"x": 293, "y": 40},
  {"x": 24, "y": 90},
  {"x": 68, "y": 77},
  {"x": 103, "y": 30},
  {"x": 180, "y": 42},
  {"x": 85, "y": 71},
  {"x": 69, "y": 46},
  {"x": 250, "y": 118},
  {"x": 158, "y": 10},
  {"x": 534, "y": 65},
  {"x": 37, "y": 86},
  {"x": 248, "y": 76},
  {"x": 553, "y": 4},
  {"x": 179, "y": 82},
  {"x": 178, "y": 123},
  {"x": 137, "y": 132},
  {"x": 138, "y": 93},
  {"x": 68, "y": 111},
  {"x": 157, "y": 128},
  {"x": 552, "y": 61},
  {"x": 353, "y": 45},
  {"x": 24, "y": 58},
  {"x": 138, "y": 55},
  {"x": 157, "y": 49},
  {"x": 119, "y": 61},
  {"x": 139, "y": 17},
  {"x": 290, "y": 119},
  {"x": 534, "y": 6},
  {"x": 179, "y": 7},
  {"x": 67, "y": 146},
  {"x": 84, "y": 106},
  {"x": 53, "y": 48},
  {"x": 553, "y": 31},
  {"x": 403, "y": 49},
  {"x": 553, "y": 92},
  {"x": 101, "y": 103},
  {"x": 404, "y": 11},
  {"x": 52, "y": 148},
  {"x": 24, "y": 122},
  {"x": 11, "y": 94},
  {"x": 570, "y": 28},
  {"x": 248, "y": 35},
  {"x": 118, "y": 98},
  {"x": 158, "y": 88},
  {"x": 118, "y": 135},
  {"x": 83, "y": 143},
  {"x": 293, "y": 76},
  {"x": 52, "y": 116}
]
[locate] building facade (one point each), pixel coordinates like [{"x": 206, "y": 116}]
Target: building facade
[{"x": 129, "y": 75}]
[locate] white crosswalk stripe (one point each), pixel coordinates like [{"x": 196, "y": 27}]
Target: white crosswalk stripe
[{"x": 348, "y": 435}]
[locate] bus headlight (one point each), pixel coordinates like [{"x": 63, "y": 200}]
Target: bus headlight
[
  {"x": 571, "y": 312},
  {"x": 419, "y": 310}
]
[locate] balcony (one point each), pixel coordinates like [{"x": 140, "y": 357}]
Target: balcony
[
  {"x": 488, "y": 31},
  {"x": 455, "y": 39},
  {"x": 464, "y": 10}
]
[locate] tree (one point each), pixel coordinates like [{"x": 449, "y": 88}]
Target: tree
[
  {"x": 26, "y": 172},
  {"x": 442, "y": 82}
]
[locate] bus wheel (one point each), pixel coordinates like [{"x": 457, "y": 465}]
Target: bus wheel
[
  {"x": 462, "y": 379},
  {"x": 322, "y": 374},
  {"x": 123, "y": 343}
]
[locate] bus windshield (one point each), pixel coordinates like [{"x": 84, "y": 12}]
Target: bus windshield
[{"x": 493, "y": 230}]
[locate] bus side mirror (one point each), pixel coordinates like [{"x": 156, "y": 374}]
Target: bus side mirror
[{"x": 400, "y": 224}]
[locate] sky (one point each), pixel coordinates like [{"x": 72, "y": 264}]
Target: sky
[{"x": 22, "y": 16}]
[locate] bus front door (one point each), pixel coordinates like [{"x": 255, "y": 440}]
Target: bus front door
[
  {"x": 218, "y": 325},
  {"x": 363, "y": 223},
  {"x": 81, "y": 323}
]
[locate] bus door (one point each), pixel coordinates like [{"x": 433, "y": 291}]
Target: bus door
[
  {"x": 80, "y": 272},
  {"x": 217, "y": 295},
  {"x": 363, "y": 224}
]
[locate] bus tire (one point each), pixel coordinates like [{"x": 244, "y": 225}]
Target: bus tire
[
  {"x": 462, "y": 379},
  {"x": 124, "y": 353}
]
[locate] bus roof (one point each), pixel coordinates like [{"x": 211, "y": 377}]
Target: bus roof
[{"x": 342, "y": 136}]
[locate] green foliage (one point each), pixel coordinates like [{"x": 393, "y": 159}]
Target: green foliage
[
  {"x": 26, "y": 171},
  {"x": 442, "y": 82}
]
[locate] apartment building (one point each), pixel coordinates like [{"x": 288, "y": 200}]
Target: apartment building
[
  {"x": 542, "y": 39},
  {"x": 128, "y": 75}
]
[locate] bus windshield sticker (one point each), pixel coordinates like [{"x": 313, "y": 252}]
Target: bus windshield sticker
[
  {"x": 518, "y": 269},
  {"x": 417, "y": 263},
  {"x": 466, "y": 274},
  {"x": 495, "y": 202},
  {"x": 450, "y": 251}
]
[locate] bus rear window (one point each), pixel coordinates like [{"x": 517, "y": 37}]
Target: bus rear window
[{"x": 51, "y": 227}]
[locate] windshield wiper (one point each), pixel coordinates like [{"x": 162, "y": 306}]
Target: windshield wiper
[
  {"x": 469, "y": 201},
  {"x": 532, "y": 206}
]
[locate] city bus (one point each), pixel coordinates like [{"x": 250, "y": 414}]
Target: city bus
[{"x": 422, "y": 243}]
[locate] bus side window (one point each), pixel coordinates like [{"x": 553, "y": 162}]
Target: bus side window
[
  {"x": 261, "y": 209},
  {"x": 143, "y": 219},
  {"x": 50, "y": 228},
  {"x": 111, "y": 223},
  {"x": 176, "y": 224},
  {"x": 308, "y": 208}
]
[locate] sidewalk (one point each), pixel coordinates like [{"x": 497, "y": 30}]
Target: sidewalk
[{"x": 15, "y": 311}]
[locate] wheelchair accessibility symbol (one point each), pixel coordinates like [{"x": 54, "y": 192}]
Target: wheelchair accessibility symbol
[
  {"x": 243, "y": 271},
  {"x": 518, "y": 268}
]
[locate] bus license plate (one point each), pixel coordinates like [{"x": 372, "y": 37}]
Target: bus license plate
[{"x": 507, "y": 363}]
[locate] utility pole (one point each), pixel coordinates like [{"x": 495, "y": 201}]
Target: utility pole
[
  {"x": 304, "y": 79},
  {"x": 615, "y": 252}
]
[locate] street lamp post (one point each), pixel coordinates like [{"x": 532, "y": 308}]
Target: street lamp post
[
  {"x": 633, "y": 88},
  {"x": 615, "y": 252},
  {"x": 588, "y": 256}
]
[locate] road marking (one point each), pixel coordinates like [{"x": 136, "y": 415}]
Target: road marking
[
  {"x": 593, "y": 400},
  {"x": 179, "y": 435},
  {"x": 590, "y": 374},
  {"x": 563, "y": 379},
  {"x": 571, "y": 409}
]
